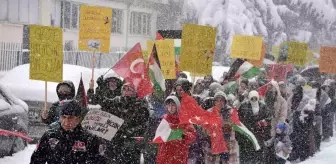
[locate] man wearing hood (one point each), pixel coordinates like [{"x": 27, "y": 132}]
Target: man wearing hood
[
  {"x": 123, "y": 148},
  {"x": 328, "y": 113},
  {"x": 109, "y": 86},
  {"x": 277, "y": 107},
  {"x": 276, "y": 104},
  {"x": 182, "y": 86},
  {"x": 65, "y": 91},
  {"x": 254, "y": 115}
]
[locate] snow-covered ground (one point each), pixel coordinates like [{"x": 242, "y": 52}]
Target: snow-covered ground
[{"x": 326, "y": 156}]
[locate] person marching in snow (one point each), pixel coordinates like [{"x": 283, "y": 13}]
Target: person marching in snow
[
  {"x": 229, "y": 135},
  {"x": 65, "y": 91},
  {"x": 124, "y": 148},
  {"x": 281, "y": 143},
  {"x": 328, "y": 113},
  {"x": 68, "y": 143},
  {"x": 109, "y": 86},
  {"x": 301, "y": 116},
  {"x": 176, "y": 151},
  {"x": 255, "y": 116}
]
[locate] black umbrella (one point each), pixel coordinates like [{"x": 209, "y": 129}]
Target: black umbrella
[{"x": 311, "y": 72}]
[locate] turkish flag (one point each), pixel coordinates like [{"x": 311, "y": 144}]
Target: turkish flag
[
  {"x": 133, "y": 69},
  {"x": 191, "y": 113}
]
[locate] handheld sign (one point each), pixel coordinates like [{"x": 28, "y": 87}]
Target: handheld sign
[
  {"x": 46, "y": 53},
  {"x": 297, "y": 53},
  {"x": 328, "y": 60},
  {"x": 95, "y": 28},
  {"x": 102, "y": 124},
  {"x": 166, "y": 54},
  {"x": 197, "y": 49},
  {"x": 246, "y": 47}
]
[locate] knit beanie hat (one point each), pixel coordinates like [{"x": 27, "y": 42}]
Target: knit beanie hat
[{"x": 70, "y": 108}]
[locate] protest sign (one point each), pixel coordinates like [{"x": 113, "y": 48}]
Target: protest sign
[
  {"x": 197, "y": 49},
  {"x": 102, "y": 124},
  {"x": 278, "y": 72},
  {"x": 328, "y": 60},
  {"x": 246, "y": 47},
  {"x": 46, "y": 53},
  {"x": 259, "y": 63},
  {"x": 95, "y": 28},
  {"x": 297, "y": 53},
  {"x": 166, "y": 54}
]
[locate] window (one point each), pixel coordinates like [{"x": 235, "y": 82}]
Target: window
[
  {"x": 117, "y": 17},
  {"x": 19, "y": 11},
  {"x": 140, "y": 23},
  {"x": 70, "y": 15}
]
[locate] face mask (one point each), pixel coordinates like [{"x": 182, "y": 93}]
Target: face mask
[{"x": 255, "y": 107}]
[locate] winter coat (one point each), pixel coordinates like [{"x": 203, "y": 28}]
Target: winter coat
[
  {"x": 262, "y": 133},
  {"x": 304, "y": 101},
  {"x": 176, "y": 152},
  {"x": 54, "y": 111},
  {"x": 103, "y": 92},
  {"x": 123, "y": 148},
  {"x": 280, "y": 108},
  {"x": 67, "y": 147},
  {"x": 303, "y": 136},
  {"x": 229, "y": 136}
]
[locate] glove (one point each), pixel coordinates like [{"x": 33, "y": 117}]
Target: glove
[{"x": 100, "y": 80}]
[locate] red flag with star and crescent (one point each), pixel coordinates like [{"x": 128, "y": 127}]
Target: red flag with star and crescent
[
  {"x": 191, "y": 113},
  {"x": 132, "y": 68}
]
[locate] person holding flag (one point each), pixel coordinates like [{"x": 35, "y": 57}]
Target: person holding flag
[{"x": 255, "y": 116}]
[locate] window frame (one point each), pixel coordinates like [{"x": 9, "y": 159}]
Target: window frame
[
  {"x": 135, "y": 22},
  {"x": 63, "y": 2},
  {"x": 18, "y": 21},
  {"x": 121, "y": 23}
]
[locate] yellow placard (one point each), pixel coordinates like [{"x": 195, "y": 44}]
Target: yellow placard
[
  {"x": 297, "y": 53},
  {"x": 246, "y": 47},
  {"x": 259, "y": 63},
  {"x": 95, "y": 28},
  {"x": 166, "y": 54},
  {"x": 46, "y": 53},
  {"x": 197, "y": 49},
  {"x": 150, "y": 45},
  {"x": 328, "y": 60}
]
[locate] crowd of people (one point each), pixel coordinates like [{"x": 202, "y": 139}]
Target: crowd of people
[{"x": 288, "y": 122}]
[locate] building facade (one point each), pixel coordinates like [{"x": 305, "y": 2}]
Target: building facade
[{"x": 132, "y": 20}]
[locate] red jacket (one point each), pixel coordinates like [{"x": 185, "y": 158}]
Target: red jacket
[{"x": 176, "y": 152}]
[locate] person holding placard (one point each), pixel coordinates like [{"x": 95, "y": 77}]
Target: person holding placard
[
  {"x": 65, "y": 91},
  {"x": 123, "y": 148},
  {"x": 68, "y": 143}
]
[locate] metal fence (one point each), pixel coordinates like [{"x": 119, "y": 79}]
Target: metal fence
[{"x": 12, "y": 55}]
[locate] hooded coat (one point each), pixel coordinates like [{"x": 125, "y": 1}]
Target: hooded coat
[
  {"x": 176, "y": 152},
  {"x": 102, "y": 91},
  {"x": 259, "y": 125},
  {"x": 301, "y": 121},
  {"x": 280, "y": 109},
  {"x": 54, "y": 111},
  {"x": 124, "y": 148}
]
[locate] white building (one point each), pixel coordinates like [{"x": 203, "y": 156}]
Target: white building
[{"x": 132, "y": 20}]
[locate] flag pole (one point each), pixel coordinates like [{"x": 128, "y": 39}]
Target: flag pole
[
  {"x": 93, "y": 63},
  {"x": 45, "y": 94}
]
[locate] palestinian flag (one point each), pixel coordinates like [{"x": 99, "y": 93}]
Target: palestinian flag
[
  {"x": 263, "y": 89},
  {"x": 155, "y": 74},
  {"x": 230, "y": 87},
  {"x": 240, "y": 128},
  {"x": 165, "y": 134},
  {"x": 242, "y": 68},
  {"x": 177, "y": 47}
]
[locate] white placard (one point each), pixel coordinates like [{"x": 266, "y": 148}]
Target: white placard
[{"x": 102, "y": 124}]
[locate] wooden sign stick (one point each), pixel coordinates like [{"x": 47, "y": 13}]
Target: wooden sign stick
[{"x": 93, "y": 63}]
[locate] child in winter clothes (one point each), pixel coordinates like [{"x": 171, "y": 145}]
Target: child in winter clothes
[
  {"x": 281, "y": 142},
  {"x": 176, "y": 151}
]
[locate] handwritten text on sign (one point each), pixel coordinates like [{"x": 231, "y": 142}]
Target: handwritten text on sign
[
  {"x": 297, "y": 53},
  {"x": 46, "y": 53},
  {"x": 95, "y": 28},
  {"x": 246, "y": 47},
  {"x": 102, "y": 124},
  {"x": 197, "y": 49},
  {"x": 328, "y": 60},
  {"x": 166, "y": 54}
]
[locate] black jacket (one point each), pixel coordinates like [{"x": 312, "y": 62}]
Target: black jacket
[
  {"x": 103, "y": 92},
  {"x": 54, "y": 111},
  {"x": 64, "y": 147},
  {"x": 124, "y": 148}
]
